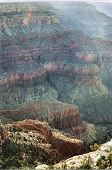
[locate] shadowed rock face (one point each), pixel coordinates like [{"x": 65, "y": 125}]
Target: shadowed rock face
[
  {"x": 92, "y": 159},
  {"x": 57, "y": 114}
]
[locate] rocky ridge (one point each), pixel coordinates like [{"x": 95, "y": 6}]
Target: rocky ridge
[
  {"x": 62, "y": 116},
  {"x": 99, "y": 159},
  {"x": 38, "y": 58},
  {"x": 36, "y": 141}
]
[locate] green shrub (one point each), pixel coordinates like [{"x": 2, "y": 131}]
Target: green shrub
[
  {"x": 86, "y": 163},
  {"x": 109, "y": 157},
  {"x": 64, "y": 165},
  {"x": 94, "y": 147},
  {"x": 102, "y": 162}
]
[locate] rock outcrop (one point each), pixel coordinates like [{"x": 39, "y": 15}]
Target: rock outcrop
[
  {"x": 100, "y": 159},
  {"x": 56, "y": 139},
  {"x": 3, "y": 135},
  {"x": 59, "y": 115},
  {"x": 34, "y": 125},
  {"x": 48, "y": 145}
]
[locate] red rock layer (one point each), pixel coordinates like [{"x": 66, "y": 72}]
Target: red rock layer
[
  {"x": 57, "y": 114},
  {"x": 65, "y": 146},
  {"x": 89, "y": 74}
]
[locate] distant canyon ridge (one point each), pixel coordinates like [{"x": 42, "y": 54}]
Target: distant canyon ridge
[{"x": 49, "y": 55}]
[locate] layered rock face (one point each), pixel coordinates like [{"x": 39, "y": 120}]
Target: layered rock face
[
  {"x": 36, "y": 141},
  {"x": 34, "y": 125},
  {"x": 59, "y": 115},
  {"x": 42, "y": 60},
  {"x": 56, "y": 139},
  {"x": 51, "y": 71}
]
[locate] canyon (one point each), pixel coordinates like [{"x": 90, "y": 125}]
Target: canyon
[{"x": 55, "y": 81}]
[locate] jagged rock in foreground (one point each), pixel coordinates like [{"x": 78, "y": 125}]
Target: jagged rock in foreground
[
  {"x": 31, "y": 142},
  {"x": 100, "y": 159}
]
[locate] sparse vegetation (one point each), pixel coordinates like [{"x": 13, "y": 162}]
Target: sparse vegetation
[
  {"x": 102, "y": 162},
  {"x": 64, "y": 165},
  {"x": 86, "y": 163},
  {"x": 19, "y": 151},
  {"x": 94, "y": 147}
]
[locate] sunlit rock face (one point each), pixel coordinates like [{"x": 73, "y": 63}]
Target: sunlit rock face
[
  {"x": 37, "y": 141},
  {"x": 43, "y": 60}
]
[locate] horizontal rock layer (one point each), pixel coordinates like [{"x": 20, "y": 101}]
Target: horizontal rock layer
[
  {"x": 45, "y": 60},
  {"x": 57, "y": 114}
]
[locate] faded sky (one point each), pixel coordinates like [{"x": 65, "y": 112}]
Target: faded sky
[{"x": 56, "y": 0}]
